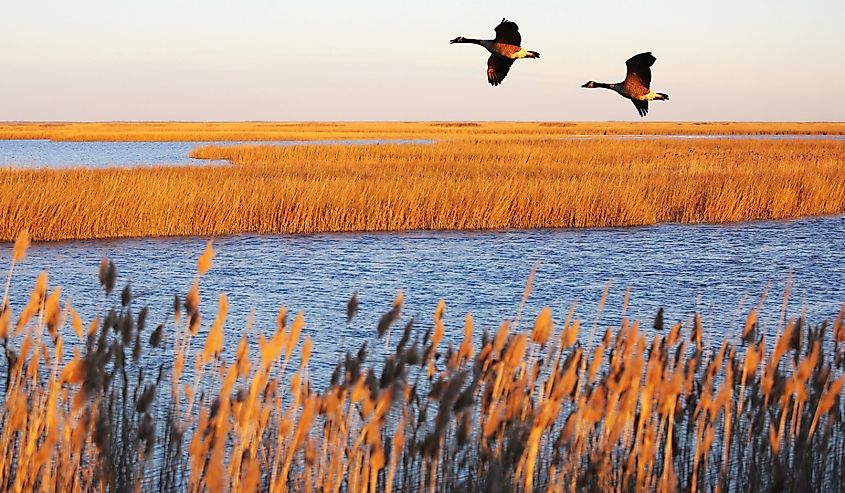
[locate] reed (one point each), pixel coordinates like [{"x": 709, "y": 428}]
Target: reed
[
  {"x": 456, "y": 185},
  {"x": 110, "y": 404},
  {"x": 215, "y": 131}
]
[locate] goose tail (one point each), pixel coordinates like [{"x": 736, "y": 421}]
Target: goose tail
[
  {"x": 533, "y": 54},
  {"x": 662, "y": 96}
]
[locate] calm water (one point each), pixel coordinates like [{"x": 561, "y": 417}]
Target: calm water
[
  {"x": 719, "y": 271},
  {"x": 49, "y": 154}
]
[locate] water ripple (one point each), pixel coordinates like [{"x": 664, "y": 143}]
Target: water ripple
[{"x": 684, "y": 268}]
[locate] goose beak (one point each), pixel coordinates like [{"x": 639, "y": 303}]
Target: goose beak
[
  {"x": 586, "y": 85},
  {"x": 455, "y": 40}
]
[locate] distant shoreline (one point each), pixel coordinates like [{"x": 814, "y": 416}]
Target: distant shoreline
[{"x": 227, "y": 131}]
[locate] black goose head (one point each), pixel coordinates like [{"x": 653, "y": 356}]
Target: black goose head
[
  {"x": 590, "y": 85},
  {"x": 459, "y": 39}
]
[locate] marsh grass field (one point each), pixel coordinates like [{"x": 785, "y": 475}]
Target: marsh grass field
[{"x": 491, "y": 176}]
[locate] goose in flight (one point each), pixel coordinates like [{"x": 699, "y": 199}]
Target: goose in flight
[
  {"x": 636, "y": 84},
  {"x": 504, "y": 49}
]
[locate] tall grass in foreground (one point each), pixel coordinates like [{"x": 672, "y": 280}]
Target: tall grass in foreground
[
  {"x": 548, "y": 405},
  {"x": 211, "y": 131},
  {"x": 444, "y": 186}
]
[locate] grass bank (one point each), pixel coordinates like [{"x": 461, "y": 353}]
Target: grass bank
[{"x": 453, "y": 185}]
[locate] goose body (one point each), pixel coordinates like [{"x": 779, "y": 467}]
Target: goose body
[
  {"x": 504, "y": 49},
  {"x": 637, "y": 83}
]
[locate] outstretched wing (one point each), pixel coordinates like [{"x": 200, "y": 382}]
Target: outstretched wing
[
  {"x": 638, "y": 79},
  {"x": 642, "y": 106},
  {"x": 508, "y": 32},
  {"x": 497, "y": 68}
]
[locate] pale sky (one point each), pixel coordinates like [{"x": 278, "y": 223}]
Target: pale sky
[{"x": 391, "y": 60}]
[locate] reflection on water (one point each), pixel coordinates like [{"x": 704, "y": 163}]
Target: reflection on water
[{"x": 719, "y": 271}]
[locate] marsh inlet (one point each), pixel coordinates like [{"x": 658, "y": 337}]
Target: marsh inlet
[
  {"x": 61, "y": 154},
  {"x": 719, "y": 271}
]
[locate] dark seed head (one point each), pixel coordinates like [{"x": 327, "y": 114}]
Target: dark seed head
[
  {"x": 111, "y": 277},
  {"x": 386, "y": 321},
  {"x": 362, "y": 354},
  {"x": 406, "y": 336},
  {"x": 412, "y": 355},
  {"x": 142, "y": 319},
  {"x": 142, "y": 405},
  {"x": 126, "y": 295},
  {"x": 658, "y": 320},
  {"x": 155, "y": 337},
  {"x": 352, "y": 307}
]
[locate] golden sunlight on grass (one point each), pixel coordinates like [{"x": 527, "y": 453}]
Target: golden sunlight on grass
[
  {"x": 552, "y": 406},
  {"x": 211, "y": 131},
  {"x": 467, "y": 184}
]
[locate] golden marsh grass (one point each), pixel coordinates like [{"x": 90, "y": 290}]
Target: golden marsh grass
[
  {"x": 453, "y": 185},
  {"x": 215, "y": 131},
  {"x": 549, "y": 406}
]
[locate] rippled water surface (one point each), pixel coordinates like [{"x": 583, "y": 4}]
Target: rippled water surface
[{"x": 718, "y": 270}]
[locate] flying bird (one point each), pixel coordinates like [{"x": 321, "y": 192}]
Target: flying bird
[
  {"x": 636, "y": 84},
  {"x": 504, "y": 49}
]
